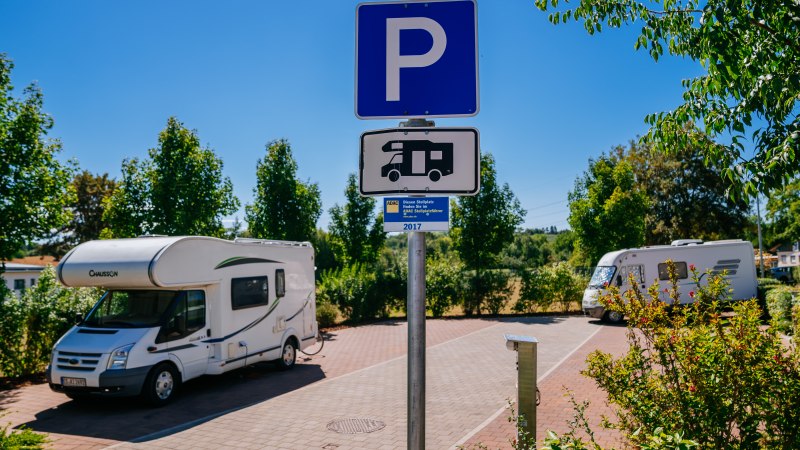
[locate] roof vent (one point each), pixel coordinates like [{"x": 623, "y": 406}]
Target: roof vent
[{"x": 680, "y": 242}]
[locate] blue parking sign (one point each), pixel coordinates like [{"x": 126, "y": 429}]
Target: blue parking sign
[{"x": 416, "y": 59}]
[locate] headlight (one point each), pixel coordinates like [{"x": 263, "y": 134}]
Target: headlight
[{"x": 119, "y": 357}]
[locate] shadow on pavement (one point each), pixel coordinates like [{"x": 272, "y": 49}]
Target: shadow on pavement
[{"x": 200, "y": 400}]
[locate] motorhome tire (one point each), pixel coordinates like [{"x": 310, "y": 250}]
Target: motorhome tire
[
  {"x": 614, "y": 317},
  {"x": 288, "y": 355},
  {"x": 435, "y": 175},
  {"x": 394, "y": 175},
  {"x": 160, "y": 385}
]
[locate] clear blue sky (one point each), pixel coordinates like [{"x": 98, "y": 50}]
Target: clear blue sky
[{"x": 244, "y": 73}]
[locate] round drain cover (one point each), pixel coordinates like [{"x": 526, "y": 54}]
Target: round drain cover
[{"x": 355, "y": 426}]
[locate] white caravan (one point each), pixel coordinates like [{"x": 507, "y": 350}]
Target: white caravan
[
  {"x": 177, "y": 308},
  {"x": 647, "y": 265}
]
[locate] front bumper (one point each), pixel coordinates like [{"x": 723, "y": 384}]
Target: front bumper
[
  {"x": 112, "y": 383},
  {"x": 595, "y": 311}
]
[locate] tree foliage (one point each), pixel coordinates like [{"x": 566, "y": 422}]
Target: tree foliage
[
  {"x": 606, "y": 209},
  {"x": 87, "y": 223},
  {"x": 355, "y": 229},
  {"x": 724, "y": 380},
  {"x": 284, "y": 208},
  {"x": 751, "y": 53},
  {"x": 33, "y": 323},
  {"x": 179, "y": 190},
  {"x": 686, "y": 197},
  {"x": 528, "y": 249},
  {"x": 482, "y": 225},
  {"x": 783, "y": 211},
  {"x": 34, "y": 186}
]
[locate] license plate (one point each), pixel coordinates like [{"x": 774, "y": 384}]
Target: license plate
[{"x": 73, "y": 382}]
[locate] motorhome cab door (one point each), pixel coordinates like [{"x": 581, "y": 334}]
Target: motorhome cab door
[
  {"x": 637, "y": 270},
  {"x": 184, "y": 330}
]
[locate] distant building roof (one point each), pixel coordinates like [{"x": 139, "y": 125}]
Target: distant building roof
[
  {"x": 16, "y": 267},
  {"x": 35, "y": 261}
]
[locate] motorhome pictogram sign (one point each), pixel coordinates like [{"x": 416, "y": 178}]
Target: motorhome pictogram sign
[{"x": 420, "y": 161}]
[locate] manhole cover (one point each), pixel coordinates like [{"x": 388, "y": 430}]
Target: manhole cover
[{"x": 355, "y": 426}]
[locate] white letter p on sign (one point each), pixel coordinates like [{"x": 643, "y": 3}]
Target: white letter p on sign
[{"x": 395, "y": 61}]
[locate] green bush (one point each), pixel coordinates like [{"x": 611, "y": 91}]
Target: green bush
[
  {"x": 534, "y": 292},
  {"x": 355, "y": 291},
  {"x": 725, "y": 381},
  {"x": 32, "y": 323},
  {"x": 780, "y": 301},
  {"x": 21, "y": 438},
  {"x": 557, "y": 283},
  {"x": 327, "y": 314},
  {"x": 443, "y": 278},
  {"x": 497, "y": 289}
]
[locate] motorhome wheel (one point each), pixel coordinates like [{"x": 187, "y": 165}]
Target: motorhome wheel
[
  {"x": 394, "y": 175},
  {"x": 435, "y": 175},
  {"x": 160, "y": 385},
  {"x": 288, "y": 355},
  {"x": 614, "y": 317}
]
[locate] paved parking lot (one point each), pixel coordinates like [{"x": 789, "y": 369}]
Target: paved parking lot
[{"x": 360, "y": 374}]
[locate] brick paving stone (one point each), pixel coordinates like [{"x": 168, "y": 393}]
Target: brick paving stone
[
  {"x": 555, "y": 409},
  {"x": 360, "y": 373},
  {"x": 468, "y": 379}
]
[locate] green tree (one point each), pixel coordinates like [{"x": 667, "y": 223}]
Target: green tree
[
  {"x": 482, "y": 226},
  {"x": 686, "y": 197},
  {"x": 355, "y": 229},
  {"x": 528, "y": 249},
  {"x": 284, "y": 208},
  {"x": 87, "y": 213},
  {"x": 129, "y": 207},
  {"x": 563, "y": 246},
  {"x": 179, "y": 190},
  {"x": 783, "y": 211},
  {"x": 750, "y": 51},
  {"x": 34, "y": 186},
  {"x": 606, "y": 209}
]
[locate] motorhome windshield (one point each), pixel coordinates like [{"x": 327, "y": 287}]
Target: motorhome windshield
[
  {"x": 602, "y": 275},
  {"x": 131, "y": 309}
]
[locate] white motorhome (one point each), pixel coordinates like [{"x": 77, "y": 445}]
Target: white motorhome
[
  {"x": 648, "y": 264},
  {"x": 176, "y": 308}
]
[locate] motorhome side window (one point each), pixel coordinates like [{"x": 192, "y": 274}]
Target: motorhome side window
[
  {"x": 249, "y": 292},
  {"x": 680, "y": 270},
  {"x": 280, "y": 283}
]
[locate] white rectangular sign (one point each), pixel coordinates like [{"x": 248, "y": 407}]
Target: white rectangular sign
[{"x": 442, "y": 161}]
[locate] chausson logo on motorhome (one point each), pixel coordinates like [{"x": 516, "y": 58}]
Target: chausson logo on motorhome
[
  {"x": 103, "y": 273},
  {"x": 732, "y": 259},
  {"x": 172, "y": 312}
]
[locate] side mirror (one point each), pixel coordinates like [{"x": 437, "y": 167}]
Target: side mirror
[
  {"x": 619, "y": 280},
  {"x": 78, "y": 318}
]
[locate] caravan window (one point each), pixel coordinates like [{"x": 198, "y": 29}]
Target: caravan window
[
  {"x": 280, "y": 283},
  {"x": 249, "y": 292},
  {"x": 636, "y": 271},
  {"x": 680, "y": 269}
]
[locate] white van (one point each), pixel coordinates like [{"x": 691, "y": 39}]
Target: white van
[
  {"x": 647, "y": 265},
  {"x": 177, "y": 308}
]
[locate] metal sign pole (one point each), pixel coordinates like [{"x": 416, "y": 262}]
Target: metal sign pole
[
  {"x": 416, "y": 340},
  {"x": 415, "y": 308}
]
